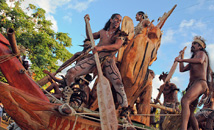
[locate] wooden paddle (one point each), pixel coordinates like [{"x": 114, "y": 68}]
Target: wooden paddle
[
  {"x": 105, "y": 99},
  {"x": 171, "y": 72},
  {"x": 173, "y": 68}
]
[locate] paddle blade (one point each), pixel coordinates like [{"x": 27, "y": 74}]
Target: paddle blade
[{"x": 107, "y": 110}]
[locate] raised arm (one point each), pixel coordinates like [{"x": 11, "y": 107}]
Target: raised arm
[
  {"x": 95, "y": 35},
  {"x": 181, "y": 64},
  {"x": 199, "y": 58}
]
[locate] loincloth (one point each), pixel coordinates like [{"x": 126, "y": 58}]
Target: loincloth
[{"x": 194, "y": 81}]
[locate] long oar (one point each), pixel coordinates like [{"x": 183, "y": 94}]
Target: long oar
[
  {"x": 171, "y": 72},
  {"x": 173, "y": 68},
  {"x": 105, "y": 99}
]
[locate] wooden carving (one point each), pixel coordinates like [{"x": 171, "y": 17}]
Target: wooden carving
[
  {"x": 33, "y": 113},
  {"x": 14, "y": 71},
  {"x": 30, "y": 108},
  {"x": 137, "y": 56},
  {"x": 25, "y": 102}
]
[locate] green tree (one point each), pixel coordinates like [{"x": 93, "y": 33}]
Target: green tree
[{"x": 43, "y": 46}]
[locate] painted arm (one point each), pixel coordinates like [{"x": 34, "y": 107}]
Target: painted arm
[{"x": 68, "y": 61}]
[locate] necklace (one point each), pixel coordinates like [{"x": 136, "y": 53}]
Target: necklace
[{"x": 109, "y": 33}]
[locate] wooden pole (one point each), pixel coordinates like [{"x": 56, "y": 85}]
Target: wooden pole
[
  {"x": 172, "y": 110},
  {"x": 105, "y": 99},
  {"x": 12, "y": 40}
]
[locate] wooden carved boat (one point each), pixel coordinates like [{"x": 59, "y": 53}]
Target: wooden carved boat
[{"x": 25, "y": 102}]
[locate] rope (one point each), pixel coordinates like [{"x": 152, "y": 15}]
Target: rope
[
  {"x": 8, "y": 57},
  {"x": 73, "y": 111},
  {"x": 141, "y": 128},
  {"x": 84, "y": 114},
  {"x": 157, "y": 115},
  {"x": 75, "y": 123},
  {"x": 96, "y": 114}
]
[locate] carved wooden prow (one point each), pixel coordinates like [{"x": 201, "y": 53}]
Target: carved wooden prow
[
  {"x": 165, "y": 17},
  {"x": 14, "y": 71},
  {"x": 32, "y": 113}
]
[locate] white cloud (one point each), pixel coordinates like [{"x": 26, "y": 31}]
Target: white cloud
[
  {"x": 67, "y": 18},
  {"x": 54, "y": 22},
  {"x": 156, "y": 83},
  {"x": 197, "y": 6},
  {"x": 186, "y": 24},
  {"x": 176, "y": 80},
  {"x": 191, "y": 25},
  {"x": 199, "y": 25},
  {"x": 80, "y": 6},
  {"x": 48, "y": 5},
  {"x": 211, "y": 7},
  {"x": 187, "y": 44},
  {"x": 168, "y": 37}
]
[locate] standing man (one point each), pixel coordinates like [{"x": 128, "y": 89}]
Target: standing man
[
  {"x": 169, "y": 91},
  {"x": 111, "y": 39},
  {"x": 198, "y": 65}
]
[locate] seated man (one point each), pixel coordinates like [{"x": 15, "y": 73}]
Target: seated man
[{"x": 169, "y": 91}]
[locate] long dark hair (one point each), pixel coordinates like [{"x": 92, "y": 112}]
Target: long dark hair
[
  {"x": 107, "y": 25},
  {"x": 209, "y": 71},
  {"x": 141, "y": 13}
]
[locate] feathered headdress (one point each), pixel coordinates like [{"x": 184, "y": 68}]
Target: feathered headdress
[{"x": 200, "y": 41}]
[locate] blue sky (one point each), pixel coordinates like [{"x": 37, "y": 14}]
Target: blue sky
[{"x": 190, "y": 18}]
